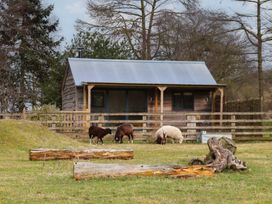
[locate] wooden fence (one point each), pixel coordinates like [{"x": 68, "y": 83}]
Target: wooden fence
[{"x": 242, "y": 125}]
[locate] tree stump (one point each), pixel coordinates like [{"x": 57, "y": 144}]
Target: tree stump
[
  {"x": 221, "y": 155},
  {"x": 58, "y": 154},
  {"x": 85, "y": 170}
]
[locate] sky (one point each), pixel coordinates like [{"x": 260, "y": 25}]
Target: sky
[{"x": 68, "y": 11}]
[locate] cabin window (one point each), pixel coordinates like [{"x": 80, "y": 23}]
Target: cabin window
[
  {"x": 183, "y": 101},
  {"x": 98, "y": 99}
]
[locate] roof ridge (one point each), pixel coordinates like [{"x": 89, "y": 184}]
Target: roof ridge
[{"x": 136, "y": 61}]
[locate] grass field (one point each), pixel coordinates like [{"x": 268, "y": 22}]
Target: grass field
[{"x": 24, "y": 181}]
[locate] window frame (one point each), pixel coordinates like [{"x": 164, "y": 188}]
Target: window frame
[
  {"x": 98, "y": 93},
  {"x": 178, "y": 104}
]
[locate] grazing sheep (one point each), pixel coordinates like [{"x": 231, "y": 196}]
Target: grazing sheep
[
  {"x": 124, "y": 129},
  {"x": 98, "y": 132},
  {"x": 168, "y": 131}
]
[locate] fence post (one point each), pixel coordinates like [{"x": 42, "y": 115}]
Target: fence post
[
  {"x": 101, "y": 119},
  {"x": 54, "y": 122},
  {"x": 144, "y": 124},
  {"x": 24, "y": 114},
  {"x": 233, "y": 124},
  {"x": 85, "y": 119},
  {"x": 191, "y": 124},
  {"x": 88, "y": 119}
]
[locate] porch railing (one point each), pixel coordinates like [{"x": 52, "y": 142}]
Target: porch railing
[{"x": 242, "y": 125}]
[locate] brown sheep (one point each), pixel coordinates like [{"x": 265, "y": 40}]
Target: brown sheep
[
  {"x": 98, "y": 132},
  {"x": 124, "y": 129}
]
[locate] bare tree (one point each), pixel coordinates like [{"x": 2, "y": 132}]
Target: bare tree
[
  {"x": 200, "y": 36},
  {"x": 258, "y": 34},
  {"x": 136, "y": 21}
]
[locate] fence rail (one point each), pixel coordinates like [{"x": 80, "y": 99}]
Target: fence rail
[{"x": 242, "y": 125}]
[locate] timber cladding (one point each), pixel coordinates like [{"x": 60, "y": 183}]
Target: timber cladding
[
  {"x": 80, "y": 98},
  {"x": 68, "y": 92}
]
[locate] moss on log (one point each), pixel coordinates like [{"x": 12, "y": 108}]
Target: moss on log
[
  {"x": 85, "y": 170},
  {"x": 59, "y": 154}
]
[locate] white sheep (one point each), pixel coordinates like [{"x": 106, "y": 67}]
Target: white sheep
[{"x": 168, "y": 131}]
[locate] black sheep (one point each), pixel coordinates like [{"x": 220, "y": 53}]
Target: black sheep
[
  {"x": 98, "y": 132},
  {"x": 124, "y": 129}
]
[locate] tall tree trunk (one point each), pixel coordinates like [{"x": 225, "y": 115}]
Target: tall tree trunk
[
  {"x": 260, "y": 56},
  {"x": 149, "y": 30},
  {"x": 143, "y": 31}
]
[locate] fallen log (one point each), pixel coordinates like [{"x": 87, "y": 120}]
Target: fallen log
[
  {"x": 221, "y": 156},
  {"x": 85, "y": 170},
  {"x": 58, "y": 154}
]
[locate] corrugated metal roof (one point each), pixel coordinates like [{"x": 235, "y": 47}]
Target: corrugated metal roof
[{"x": 140, "y": 72}]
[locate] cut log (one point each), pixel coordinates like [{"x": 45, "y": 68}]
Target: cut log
[
  {"x": 221, "y": 156},
  {"x": 57, "y": 154},
  {"x": 85, "y": 170}
]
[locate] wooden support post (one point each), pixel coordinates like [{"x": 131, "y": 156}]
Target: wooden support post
[
  {"x": 213, "y": 100},
  {"x": 162, "y": 89},
  {"x": 221, "y": 100},
  {"x": 89, "y": 109},
  {"x": 156, "y": 104},
  {"x": 84, "y": 98},
  {"x": 221, "y": 105},
  {"x": 85, "y": 124},
  {"x": 85, "y": 170},
  {"x": 156, "y": 101},
  {"x": 56, "y": 154},
  {"x": 90, "y": 87}
]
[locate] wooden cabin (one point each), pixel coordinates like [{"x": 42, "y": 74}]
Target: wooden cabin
[{"x": 120, "y": 86}]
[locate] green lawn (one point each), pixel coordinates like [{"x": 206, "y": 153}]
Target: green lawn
[{"x": 24, "y": 181}]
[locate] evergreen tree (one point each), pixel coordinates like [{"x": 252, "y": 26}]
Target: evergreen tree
[
  {"x": 93, "y": 45},
  {"x": 51, "y": 92},
  {"x": 96, "y": 45},
  {"x": 28, "y": 44}
]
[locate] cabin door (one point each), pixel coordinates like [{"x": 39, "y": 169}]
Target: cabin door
[
  {"x": 117, "y": 101},
  {"x": 127, "y": 101},
  {"x": 136, "y": 101}
]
